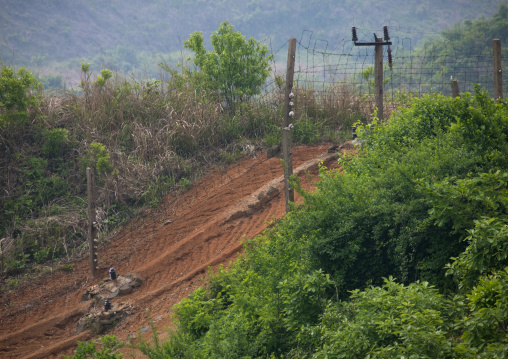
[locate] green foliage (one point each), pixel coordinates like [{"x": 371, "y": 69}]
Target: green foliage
[
  {"x": 155, "y": 193},
  {"x": 487, "y": 251},
  {"x": 184, "y": 183},
  {"x": 16, "y": 264},
  {"x": 99, "y": 158},
  {"x": 378, "y": 220},
  {"x": 40, "y": 187},
  {"x": 480, "y": 32},
  {"x": 306, "y": 131},
  {"x": 18, "y": 92},
  {"x": 85, "y": 67},
  {"x": 52, "y": 82},
  {"x": 485, "y": 329},
  {"x": 366, "y": 74},
  {"x": 406, "y": 204},
  {"x": 103, "y": 77},
  {"x": 463, "y": 37},
  {"x": 55, "y": 139},
  {"x": 236, "y": 67},
  {"x": 392, "y": 321},
  {"x": 67, "y": 267},
  {"x": 177, "y": 346},
  {"x": 12, "y": 284},
  {"x": 103, "y": 348}
]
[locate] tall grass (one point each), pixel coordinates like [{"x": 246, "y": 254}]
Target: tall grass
[{"x": 142, "y": 139}]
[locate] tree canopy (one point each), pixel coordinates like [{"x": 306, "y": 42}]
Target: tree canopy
[{"x": 236, "y": 67}]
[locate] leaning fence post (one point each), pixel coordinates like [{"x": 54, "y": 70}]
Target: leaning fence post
[
  {"x": 289, "y": 116},
  {"x": 498, "y": 71},
  {"x": 92, "y": 224},
  {"x": 455, "y": 88}
]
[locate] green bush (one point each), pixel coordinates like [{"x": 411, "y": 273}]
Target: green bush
[
  {"x": 402, "y": 207},
  {"x": 103, "y": 348},
  {"x": 392, "y": 321},
  {"x": 18, "y": 92},
  {"x": 485, "y": 328},
  {"x": 99, "y": 159},
  {"x": 55, "y": 139},
  {"x": 487, "y": 251}
]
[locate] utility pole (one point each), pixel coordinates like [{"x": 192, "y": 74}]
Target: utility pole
[
  {"x": 289, "y": 116},
  {"x": 378, "y": 64}
]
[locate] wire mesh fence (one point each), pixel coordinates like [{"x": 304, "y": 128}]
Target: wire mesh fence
[{"x": 330, "y": 71}]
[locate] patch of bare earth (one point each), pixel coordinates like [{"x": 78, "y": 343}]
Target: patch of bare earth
[{"x": 170, "y": 248}]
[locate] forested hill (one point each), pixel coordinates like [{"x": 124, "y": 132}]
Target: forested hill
[{"x": 37, "y": 33}]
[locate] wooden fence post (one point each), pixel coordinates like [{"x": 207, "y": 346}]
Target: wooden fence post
[
  {"x": 289, "y": 116},
  {"x": 498, "y": 70},
  {"x": 289, "y": 192},
  {"x": 455, "y": 88},
  {"x": 92, "y": 224},
  {"x": 378, "y": 78}
]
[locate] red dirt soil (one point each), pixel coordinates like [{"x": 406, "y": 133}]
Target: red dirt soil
[{"x": 170, "y": 248}]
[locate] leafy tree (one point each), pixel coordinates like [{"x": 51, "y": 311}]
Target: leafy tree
[
  {"x": 18, "y": 92},
  {"x": 236, "y": 67}
]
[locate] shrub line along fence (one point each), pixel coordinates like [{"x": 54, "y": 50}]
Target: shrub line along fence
[
  {"x": 316, "y": 77},
  {"x": 311, "y": 71}
]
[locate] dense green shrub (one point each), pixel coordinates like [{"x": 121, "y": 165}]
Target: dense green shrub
[
  {"x": 313, "y": 285},
  {"x": 103, "y": 348},
  {"x": 391, "y": 321}
]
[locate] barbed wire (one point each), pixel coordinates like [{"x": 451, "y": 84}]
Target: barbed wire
[{"x": 320, "y": 65}]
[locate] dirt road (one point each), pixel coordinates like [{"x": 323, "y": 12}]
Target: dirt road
[{"x": 170, "y": 248}]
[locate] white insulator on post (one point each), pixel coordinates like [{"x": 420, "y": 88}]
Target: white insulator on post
[
  {"x": 291, "y": 104},
  {"x": 291, "y": 113},
  {"x": 291, "y": 95}
]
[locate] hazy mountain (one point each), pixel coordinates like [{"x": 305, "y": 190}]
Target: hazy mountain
[{"x": 38, "y": 33}]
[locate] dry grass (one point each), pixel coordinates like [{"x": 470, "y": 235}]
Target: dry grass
[{"x": 155, "y": 136}]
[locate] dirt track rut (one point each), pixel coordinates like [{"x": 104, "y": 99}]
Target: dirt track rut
[{"x": 170, "y": 248}]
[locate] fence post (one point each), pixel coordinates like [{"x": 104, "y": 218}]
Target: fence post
[
  {"x": 455, "y": 88},
  {"x": 378, "y": 78},
  {"x": 289, "y": 192},
  {"x": 289, "y": 116},
  {"x": 92, "y": 224},
  {"x": 498, "y": 71}
]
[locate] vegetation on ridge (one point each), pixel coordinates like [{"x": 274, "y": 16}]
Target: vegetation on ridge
[
  {"x": 143, "y": 140},
  {"x": 403, "y": 254}
]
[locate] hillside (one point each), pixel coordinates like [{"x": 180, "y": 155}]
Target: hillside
[
  {"x": 208, "y": 226},
  {"x": 129, "y": 34}
]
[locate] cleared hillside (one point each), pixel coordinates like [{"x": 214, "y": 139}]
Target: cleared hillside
[{"x": 170, "y": 248}]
